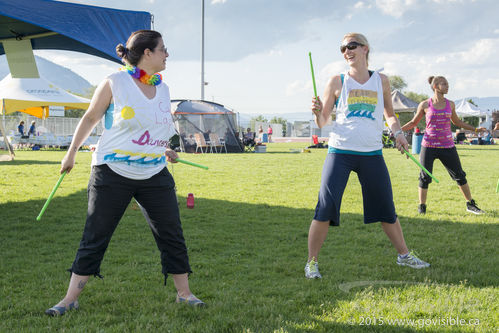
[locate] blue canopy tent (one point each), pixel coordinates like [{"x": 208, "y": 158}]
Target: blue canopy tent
[{"x": 69, "y": 26}]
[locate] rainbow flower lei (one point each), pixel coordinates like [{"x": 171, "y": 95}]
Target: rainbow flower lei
[{"x": 140, "y": 74}]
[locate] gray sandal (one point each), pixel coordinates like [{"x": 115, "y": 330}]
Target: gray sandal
[
  {"x": 191, "y": 300},
  {"x": 57, "y": 311}
]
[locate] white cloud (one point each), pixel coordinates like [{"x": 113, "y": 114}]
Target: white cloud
[
  {"x": 272, "y": 54},
  {"x": 362, "y": 5},
  {"x": 395, "y": 8},
  {"x": 468, "y": 71},
  {"x": 359, "y": 6},
  {"x": 275, "y": 52},
  {"x": 481, "y": 52},
  {"x": 447, "y": 1},
  {"x": 298, "y": 87},
  {"x": 333, "y": 68},
  {"x": 441, "y": 59}
]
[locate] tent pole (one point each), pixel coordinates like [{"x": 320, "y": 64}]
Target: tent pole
[{"x": 202, "y": 50}]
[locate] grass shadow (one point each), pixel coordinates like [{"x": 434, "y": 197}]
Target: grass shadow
[
  {"x": 248, "y": 264},
  {"x": 28, "y": 162}
]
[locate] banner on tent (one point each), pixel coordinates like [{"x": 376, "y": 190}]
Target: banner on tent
[
  {"x": 20, "y": 58},
  {"x": 56, "y": 111}
]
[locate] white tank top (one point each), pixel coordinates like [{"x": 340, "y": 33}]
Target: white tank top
[
  {"x": 136, "y": 135},
  {"x": 359, "y": 116}
]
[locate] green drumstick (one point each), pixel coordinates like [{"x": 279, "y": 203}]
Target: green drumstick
[
  {"x": 50, "y": 196},
  {"x": 312, "y": 70},
  {"x": 419, "y": 164},
  {"x": 192, "y": 163}
]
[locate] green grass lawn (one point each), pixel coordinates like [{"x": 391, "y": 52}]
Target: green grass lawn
[{"x": 247, "y": 241}]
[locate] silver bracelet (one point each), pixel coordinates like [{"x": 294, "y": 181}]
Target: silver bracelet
[{"x": 397, "y": 133}]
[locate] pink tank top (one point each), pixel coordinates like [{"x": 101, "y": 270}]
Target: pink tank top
[{"x": 438, "y": 133}]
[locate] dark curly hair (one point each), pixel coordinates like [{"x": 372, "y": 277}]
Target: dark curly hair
[{"x": 136, "y": 44}]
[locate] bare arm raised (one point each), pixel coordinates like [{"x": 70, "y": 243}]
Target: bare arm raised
[
  {"x": 321, "y": 111},
  {"x": 98, "y": 106}
]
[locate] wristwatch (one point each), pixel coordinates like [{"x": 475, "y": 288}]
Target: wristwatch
[{"x": 397, "y": 133}]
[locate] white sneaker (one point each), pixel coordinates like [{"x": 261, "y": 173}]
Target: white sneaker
[
  {"x": 312, "y": 270},
  {"x": 412, "y": 261}
]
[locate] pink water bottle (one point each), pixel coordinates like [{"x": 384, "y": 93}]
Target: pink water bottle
[{"x": 190, "y": 200}]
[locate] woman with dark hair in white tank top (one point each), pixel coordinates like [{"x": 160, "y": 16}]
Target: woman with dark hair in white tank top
[
  {"x": 364, "y": 97},
  {"x": 438, "y": 142},
  {"x": 130, "y": 162}
]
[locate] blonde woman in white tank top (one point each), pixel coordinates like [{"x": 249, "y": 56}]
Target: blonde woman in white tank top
[{"x": 355, "y": 145}]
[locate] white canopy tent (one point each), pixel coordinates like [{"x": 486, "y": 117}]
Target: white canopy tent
[
  {"x": 34, "y": 96},
  {"x": 466, "y": 109}
]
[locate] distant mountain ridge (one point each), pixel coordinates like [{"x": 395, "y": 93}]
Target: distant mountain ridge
[{"x": 62, "y": 77}]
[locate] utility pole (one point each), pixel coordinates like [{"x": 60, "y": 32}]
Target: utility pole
[{"x": 202, "y": 49}]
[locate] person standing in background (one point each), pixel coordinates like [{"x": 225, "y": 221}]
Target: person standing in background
[{"x": 438, "y": 142}]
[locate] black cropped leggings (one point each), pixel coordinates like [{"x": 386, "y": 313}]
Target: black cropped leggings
[
  {"x": 108, "y": 197},
  {"x": 448, "y": 157}
]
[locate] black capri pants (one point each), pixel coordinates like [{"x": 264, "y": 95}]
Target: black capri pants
[
  {"x": 108, "y": 197},
  {"x": 448, "y": 157}
]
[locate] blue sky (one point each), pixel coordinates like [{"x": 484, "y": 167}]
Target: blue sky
[{"x": 257, "y": 51}]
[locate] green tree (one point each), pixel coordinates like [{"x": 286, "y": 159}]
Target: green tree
[
  {"x": 397, "y": 82},
  {"x": 260, "y": 118},
  {"x": 78, "y": 113},
  {"x": 282, "y": 121},
  {"x": 472, "y": 103},
  {"x": 418, "y": 98},
  {"x": 74, "y": 113}
]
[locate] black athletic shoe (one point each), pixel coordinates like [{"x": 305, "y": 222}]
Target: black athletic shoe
[
  {"x": 473, "y": 208},
  {"x": 422, "y": 209}
]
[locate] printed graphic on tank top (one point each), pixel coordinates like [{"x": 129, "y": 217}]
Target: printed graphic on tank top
[
  {"x": 137, "y": 129},
  {"x": 438, "y": 133}
]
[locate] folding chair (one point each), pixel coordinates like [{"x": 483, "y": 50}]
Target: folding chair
[
  {"x": 201, "y": 143},
  {"x": 216, "y": 142},
  {"x": 386, "y": 139},
  {"x": 460, "y": 138},
  {"x": 249, "y": 141}
]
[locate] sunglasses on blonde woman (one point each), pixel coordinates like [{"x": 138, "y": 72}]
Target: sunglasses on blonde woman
[{"x": 350, "y": 46}]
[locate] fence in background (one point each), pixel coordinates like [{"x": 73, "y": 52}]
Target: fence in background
[{"x": 55, "y": 125}]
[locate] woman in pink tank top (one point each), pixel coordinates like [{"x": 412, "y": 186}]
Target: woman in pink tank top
[{"x": 438, "y": 143}]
